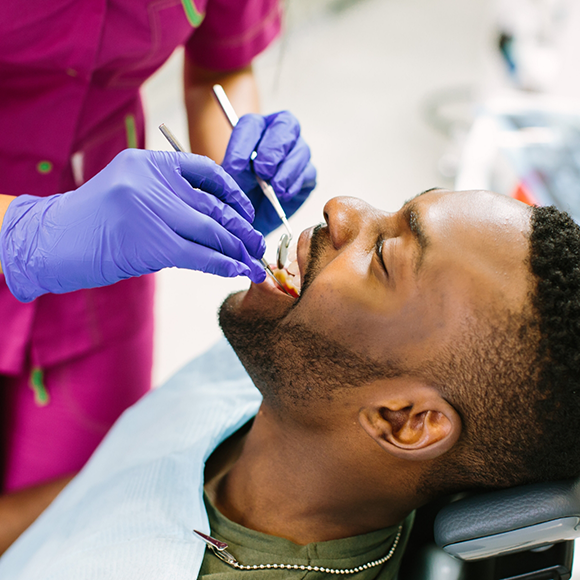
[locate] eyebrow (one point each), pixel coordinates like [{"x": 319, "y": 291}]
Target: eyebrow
[
  {"x": 413, "y": 219},
  {"x": 420, "y": 194}
]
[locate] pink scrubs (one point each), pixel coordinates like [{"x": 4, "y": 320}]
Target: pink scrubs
[{"x": 70, "y": 74}]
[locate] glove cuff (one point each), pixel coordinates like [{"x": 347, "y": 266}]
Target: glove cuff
[{"x": 17, "y": 246}]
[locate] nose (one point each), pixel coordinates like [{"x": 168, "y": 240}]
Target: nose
[{"x": 346, "y": 216}]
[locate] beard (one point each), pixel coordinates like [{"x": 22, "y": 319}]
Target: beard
[{"x": 290, "y": 363}]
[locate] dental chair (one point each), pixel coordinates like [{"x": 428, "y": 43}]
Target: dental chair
[{"x": 522, "y": 533}]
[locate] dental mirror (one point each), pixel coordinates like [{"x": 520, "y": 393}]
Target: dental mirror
[{"x": 282, "y": 253}]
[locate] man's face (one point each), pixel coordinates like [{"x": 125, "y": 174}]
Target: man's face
[{"x": 383, "y": 293}]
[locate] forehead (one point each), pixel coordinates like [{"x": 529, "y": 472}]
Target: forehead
[
  {"x": 482, "y": 234},
  {"x": 486, "y": 207},
  {"x": 491, "y": 218}
]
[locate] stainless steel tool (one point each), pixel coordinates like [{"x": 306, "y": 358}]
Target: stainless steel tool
[{"x": 282, "y": 252}]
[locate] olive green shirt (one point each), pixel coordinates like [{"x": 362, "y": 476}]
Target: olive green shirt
[{"x": 250, "y": 547}]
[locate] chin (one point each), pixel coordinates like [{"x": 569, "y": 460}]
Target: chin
[
  {"x": 259, "y": 302},
  {"x": 248, "y": 323}
]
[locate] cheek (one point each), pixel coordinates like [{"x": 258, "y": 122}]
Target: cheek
[
  {"x": 366, "y": 319},
  {"x": 376, "y": 322},
  {"x": 337, "y": 298}
]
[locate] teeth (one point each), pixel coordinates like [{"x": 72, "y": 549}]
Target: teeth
[
  {"x": 288, "y": 281},
  {"x": 293, "y": 252},
  {"x": 295, "y": 282},
  {"x": 293, "y": 261},
  {"x": 293, "y": 269}
]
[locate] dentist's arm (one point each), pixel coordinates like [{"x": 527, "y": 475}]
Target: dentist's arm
[
  {"x": 209, "y": 132},
  {"x": 19, "y": 509},
  {"x": 137, "y": 216}
]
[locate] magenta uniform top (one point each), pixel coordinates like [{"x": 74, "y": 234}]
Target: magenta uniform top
[{"x": 70, "y": 73}]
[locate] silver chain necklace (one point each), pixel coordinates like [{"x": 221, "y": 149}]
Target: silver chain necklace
[{"x": 220, "y": 550}]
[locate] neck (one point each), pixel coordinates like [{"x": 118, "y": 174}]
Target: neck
[{"x": 294, "y": 483}]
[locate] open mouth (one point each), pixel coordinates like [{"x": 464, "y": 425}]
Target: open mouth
[{"x": 289, "y": 276}]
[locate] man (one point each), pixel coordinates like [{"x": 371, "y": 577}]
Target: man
[{"x": 431, "y": 350}]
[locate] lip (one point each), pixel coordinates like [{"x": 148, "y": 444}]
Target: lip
[
  {"x": 270, "y": 287},
  {"x": 303, "y": 249},
  {"x": 263, "y": 293}
]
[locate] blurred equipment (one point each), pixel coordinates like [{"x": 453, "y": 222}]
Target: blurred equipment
[
  {"x": 532, "y": 84},
  {"x": 530, "y": 40},
  {"x": 528, "y": 147}
]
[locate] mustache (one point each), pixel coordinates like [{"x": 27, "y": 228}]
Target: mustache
[{"x": 319, "y": 242}]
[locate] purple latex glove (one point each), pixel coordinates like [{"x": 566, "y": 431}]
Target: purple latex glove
[
  {"x": 283, "y": 159},
  {"x": 139, "y": 215}
]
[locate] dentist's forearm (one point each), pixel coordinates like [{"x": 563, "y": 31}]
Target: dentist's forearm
[
  {"x": 209, "y": 132},
  {"x": 19, "y": 509},
  {"x": 4, "y": 203}
]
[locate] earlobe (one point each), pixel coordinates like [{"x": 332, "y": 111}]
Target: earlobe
[{"x": 417, "y": 428}]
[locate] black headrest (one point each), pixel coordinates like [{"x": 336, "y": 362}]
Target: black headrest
[{"x": 510, "y": 520}]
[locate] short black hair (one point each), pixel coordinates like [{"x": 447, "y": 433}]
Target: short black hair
[
  {"x": 555, "y": 264},
  {"x": 516, "y": 382}
]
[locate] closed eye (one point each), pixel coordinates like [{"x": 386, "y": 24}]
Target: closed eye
[{"x": 379, "y": 252}]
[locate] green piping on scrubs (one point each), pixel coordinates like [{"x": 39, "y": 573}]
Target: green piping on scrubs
[
  {"x": 193, "y": 16},
  {"x": 131, "y": 131},
  {"x": 41, "y": 396}
]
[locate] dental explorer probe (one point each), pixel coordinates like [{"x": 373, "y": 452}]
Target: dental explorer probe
[
  {"x": 177, "y": 146},
  {"x": 228, "y": 109}
]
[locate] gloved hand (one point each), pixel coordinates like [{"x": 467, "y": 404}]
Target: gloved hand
[
  {"x": 139, "y": 215},
  {"x": 283, "y": 159}
]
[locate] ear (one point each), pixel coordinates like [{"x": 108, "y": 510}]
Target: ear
[{"x": 415, "y": 424}]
